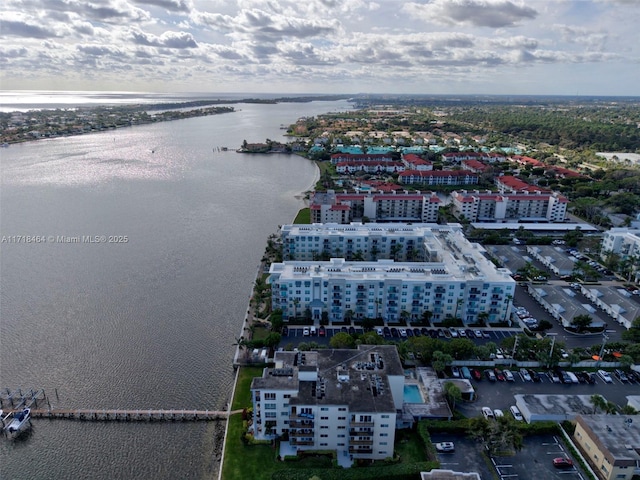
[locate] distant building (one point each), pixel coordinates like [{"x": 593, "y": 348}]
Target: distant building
[
  {"x": 510, "y": 184},
  {"x": 342, "y": 400},
  {"x": 414, "y": 162},
  {"x": 438, "y": 177},
  {"x": 621, "y": 241},
  {"x": 336, "y": 158},
  {"x": 487, "y": 206},
  {"x": 332, "y": 207},
  {"x": 610, "y": 443}
]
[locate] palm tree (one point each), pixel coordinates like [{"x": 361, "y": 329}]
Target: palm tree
[
  {"x": 598, "y": 402},
  {"x": 452, "y": 393},
  {"x": 296, "y": 302}
]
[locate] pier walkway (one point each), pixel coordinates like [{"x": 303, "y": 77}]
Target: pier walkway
[{"x": 17, "y": 400}]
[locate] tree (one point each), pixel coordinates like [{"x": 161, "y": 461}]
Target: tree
[
  {"x": 272, "y": 339},
  {"x": 598, "y": 402},
  {"x": 452, "y": 393},
  {"x": 581, "y": 322},
  {"x": 461, "y": 348},
  {"x": 342, "y": 340},
  {"x": 440, "y": 361}
]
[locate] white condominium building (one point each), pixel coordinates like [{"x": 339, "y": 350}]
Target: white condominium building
[
  {"x": 622, "y": 241},
  {"x": 357, "y": 241},
  {"x": 495, "y": 207},
  {"x": 455, "y": 281},
  {"x": 343, "y": 400},
  {"x": 332, "y": 207}
]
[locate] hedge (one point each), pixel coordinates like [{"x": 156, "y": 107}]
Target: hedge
[{"x": 400, "y": 471}]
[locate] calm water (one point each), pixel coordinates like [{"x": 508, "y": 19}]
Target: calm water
[{"x": 148, "y": 323}]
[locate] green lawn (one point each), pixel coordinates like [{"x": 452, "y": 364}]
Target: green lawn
[{"x": 304, "y": 216}]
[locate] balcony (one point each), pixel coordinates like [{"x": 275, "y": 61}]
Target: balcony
[
  {"x": 360, "y": 450},
  {"x": 355, "y": 424},
  {"x": 361, "y": 442},
  {"x": 302, "y": 442},
  {"x": 301, "y": 423},
  {"x": 303, "y": 432},
  {"x": 361, "y": 432}
]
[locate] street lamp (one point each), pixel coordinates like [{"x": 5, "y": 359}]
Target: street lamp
[
  {"x": 553, "y": 342},
  {"x": 605, "y": 337}
]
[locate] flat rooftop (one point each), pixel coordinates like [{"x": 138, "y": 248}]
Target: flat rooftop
[
  {"x": 563, "y": 299},
  {"x": 537, "y": 227},
  {"x": 619, "y": 434},
  {"x": 553, "y": 407}
]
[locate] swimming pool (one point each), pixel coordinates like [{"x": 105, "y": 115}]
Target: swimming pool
[{"x": 412, "y": 394}]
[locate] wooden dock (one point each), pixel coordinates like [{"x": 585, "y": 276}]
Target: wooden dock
[{"x": 40, "y": 407}]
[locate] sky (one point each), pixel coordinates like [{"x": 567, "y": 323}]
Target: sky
[{"x": 515, "y": 47}]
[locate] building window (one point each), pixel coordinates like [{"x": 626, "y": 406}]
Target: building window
[
  {"x": 269, "y": 396},
  {"x": 269, "y": 406}
]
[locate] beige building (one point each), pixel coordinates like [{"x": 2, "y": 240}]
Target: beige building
[
  {"x": 438, "y": 474},
  {"x": 610, "y": 443}
]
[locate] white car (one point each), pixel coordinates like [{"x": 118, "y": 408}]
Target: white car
[
  {"x": 454, "y": 332},
  {"x": 445, "y": 447},
  {"x": 478, "y": 333},
  {"x": 380, "y": 332},
  {"x": 487, "y": 413},
  {"x": 605, "y": 376},
  {"x": 305, "y": 331},
  {"x": 403, "y": 332},
  {"x": 516, "y": 413},
  {"x": 508, "y": 376},
  {"x": 498, "y": 413},
  {"x": 525, "y": 375}
]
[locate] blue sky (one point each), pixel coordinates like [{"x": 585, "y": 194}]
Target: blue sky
[{"x": 566, "y": 47}]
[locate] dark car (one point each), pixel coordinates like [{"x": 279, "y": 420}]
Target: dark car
[
  {"x": 344, "y": 330},
  {"x": 285, "y": 331},
  {"x": 386, "y": 331},
  {"x": 621, "y": 375},
  {"x": 470, "y": 333},
  {"x": 394, "y": 332},
  {"x": 583, "y": 377},
  {"x": 535, "y": 376},
  {"x": 425, "y": 331},
  {"x": 417, "y": 332},
  {"x": 409, "y": 332},
  {"x": 322, "y": 331},
  {"x": 591, "y": 377},
  {"x": 433, "y": 333}
]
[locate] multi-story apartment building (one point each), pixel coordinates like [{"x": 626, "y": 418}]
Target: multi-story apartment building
[
  {"x": 610, "y": 443},
  {"x": 493, "y": 207},
  {"x": 343, "y": 400},
  {"x": 331, "y": 207},
  {"x": 621, "y": 241},
  {"x": 375, "y": 167},
  {"x": 360, "y": 157},
  {"x": 438, "y": 177},
  {"x": 414, "y": 162},
  {"x": 357, "y": 241},
  {"x": 511, "y": 184},
  {"x": 456, "y": 280}
]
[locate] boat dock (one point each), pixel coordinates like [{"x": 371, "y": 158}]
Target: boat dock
[{"x": 13, "y": 401}]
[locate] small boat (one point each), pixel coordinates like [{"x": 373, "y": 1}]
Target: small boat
[{"x": 20, "y": 419}]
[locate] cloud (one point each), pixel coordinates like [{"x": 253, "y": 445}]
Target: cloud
[
  {"x": 478, "y": 13},
  {"x": 177, "y": 40},
  {"x": 172, "y": 5},
  {"x": 19, "y": 28}
]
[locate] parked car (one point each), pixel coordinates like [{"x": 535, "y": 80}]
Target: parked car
[
  {"x": 453, "y": 332},
  {"x": 478, "y": 333},
  {"x": 313, "y": 331},
  {"x": 562, "y": 462},
  {"x": 490, "y": 375},
  {"x": 322, "y": 331},
  {"x": 499, "y": 374},
  {"x": 508, "y": 375},
  {"x": 386, "y": 331},
  {"x": 380, "y": 332},
  {"x": 462, "y": 333},
  {"x": 445, "y": 447},
  {"x": 620, "y": 375},
  {"x": 515, "y": 411},
  {"x": 410, "y": 332},
  {"x": 525, "y": 375},
  {"x": 487, "y": 413},
  {"x": 591, "y": 378},
  {"x": 553, "y": 376},
  {"x": 417, "y": 332},
  {"x": 475, "y": 373},
  {"x": 535, "y": 376},
  {"x": 455, "y": 372},
  {"x": 305, "y": 331},
  {"x": 604, "y": 375},
  {"x": 498, "y": 413},
  {"x": 394, "y": 332},
  {"x": 465, "y": 372}
]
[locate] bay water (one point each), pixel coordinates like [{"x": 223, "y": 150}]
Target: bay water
[{"x": 145, "y": 315}]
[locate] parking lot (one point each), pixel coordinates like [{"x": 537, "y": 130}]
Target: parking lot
[
  {"x": 537, "y": 456},
  {"x": 535, "y": 460}
]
